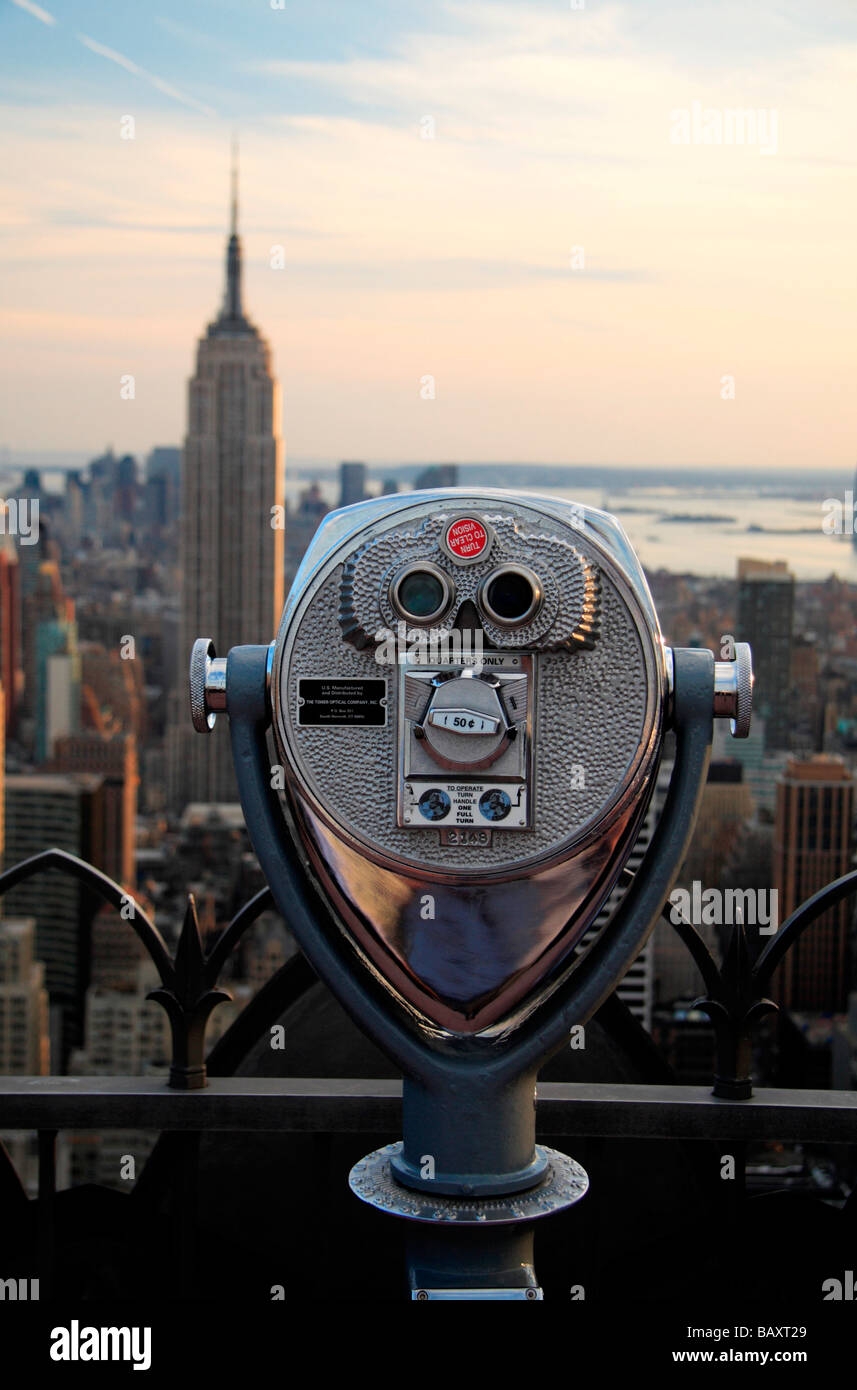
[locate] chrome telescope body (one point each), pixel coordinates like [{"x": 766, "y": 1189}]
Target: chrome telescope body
[
  {"x": 469, "y": 694},
  {"x": 467, "y": 801}
]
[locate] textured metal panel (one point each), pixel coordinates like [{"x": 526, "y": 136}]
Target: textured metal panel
[
  {"x": 352, "y": 771},
  {"x": 568, "y": 615},
  {"x": 502, "y": 912}
]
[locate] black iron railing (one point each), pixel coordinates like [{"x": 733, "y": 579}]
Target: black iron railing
[{"x": 202, "y": 1095}]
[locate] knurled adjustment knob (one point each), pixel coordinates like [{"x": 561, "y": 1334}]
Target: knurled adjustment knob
[
  {"x": 740, "y": 725},
  {"x": 733, "y": 690},
  {"x": 203, "y": 667}
]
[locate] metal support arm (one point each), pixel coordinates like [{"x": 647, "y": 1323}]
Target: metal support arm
[{"x": 477, "y": 1099}]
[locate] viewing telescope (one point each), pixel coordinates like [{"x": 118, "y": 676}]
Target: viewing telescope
[{"x": 469, "y": 694}]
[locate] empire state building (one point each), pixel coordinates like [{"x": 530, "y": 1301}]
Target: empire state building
[{"x": 233, "y": 494}]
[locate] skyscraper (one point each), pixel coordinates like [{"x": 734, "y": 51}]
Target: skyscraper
[
  {"x": 233, "y": 498},
  {"x": 11, "y": 675},
  {"x": 765, "y": 619},
  {"x": 352, "y": 483},
  {"x": 51, "y": 699},
  {"x": 813, "y": 835},
  {"x": 436, "y": 475},
  {"x": 74, "y": 503},
  {"x": 303, "y": 522},
  {"x": 66, "y": 812},
  {"x": 24, "y": 1043},
  {"x": 163, "y": 483},
  {"x": 113, "y": 757},
  {"x": 725, "y": 809}
]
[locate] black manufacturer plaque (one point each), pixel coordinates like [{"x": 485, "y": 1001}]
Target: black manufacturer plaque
[{"x": 334, "y": 701}]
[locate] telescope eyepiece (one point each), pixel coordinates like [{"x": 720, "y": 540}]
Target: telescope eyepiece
[
  {"x": 421, "y": 592},
  {"x": 511, "y": 595}
]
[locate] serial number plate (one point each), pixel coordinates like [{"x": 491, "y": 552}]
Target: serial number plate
[
  {"x": 464, "y": 836},
  {"x": 337, "y": 702}
]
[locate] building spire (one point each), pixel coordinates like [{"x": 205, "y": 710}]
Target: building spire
[
  {"x": 232, "y": 310},
  {"x": 233, "y": 228}
]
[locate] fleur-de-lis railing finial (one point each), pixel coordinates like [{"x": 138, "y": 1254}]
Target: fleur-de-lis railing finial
[
  {"x": 734, "y": 1009},
  {"x": 189, "y": 1000},
  {"x": 188, "y": 990},
  {"x": 737, "y": 992}
]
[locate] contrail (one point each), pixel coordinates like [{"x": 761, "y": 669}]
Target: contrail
[
  {"x": 35, "y": 10},
  {"x": 45, "y": 18},
  {"x": 134, "y": 68}
]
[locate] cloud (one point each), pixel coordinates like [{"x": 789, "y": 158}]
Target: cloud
[{"x": 450, "y": 274}]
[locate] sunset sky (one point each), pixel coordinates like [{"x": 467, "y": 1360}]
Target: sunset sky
[{"x": 407, "y": 257}]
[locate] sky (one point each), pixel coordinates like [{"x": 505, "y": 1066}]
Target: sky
[{"x": 472, "y": 231}]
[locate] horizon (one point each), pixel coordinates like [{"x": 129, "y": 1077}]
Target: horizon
[{"x": 66, "y": 461}]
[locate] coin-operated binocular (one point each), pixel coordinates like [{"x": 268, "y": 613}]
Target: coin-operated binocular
[{"x": 469, "y": 693}]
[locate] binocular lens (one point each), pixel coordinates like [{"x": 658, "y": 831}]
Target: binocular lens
[
  {"x": 421, "y": 594},
  {"x": 512, "y": 595}
]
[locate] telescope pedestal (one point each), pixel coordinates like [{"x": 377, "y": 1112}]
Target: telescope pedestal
[
  {"x": 470, "y": 1247},
  {"x": 469, "y": 1135}
]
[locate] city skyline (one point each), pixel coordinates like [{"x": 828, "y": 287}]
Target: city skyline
[{"x": 448, "y": 257}]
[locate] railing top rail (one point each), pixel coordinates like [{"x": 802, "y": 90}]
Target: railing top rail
[{"x": 309, "y": 1104}]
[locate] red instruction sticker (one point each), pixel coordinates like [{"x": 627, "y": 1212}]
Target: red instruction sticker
[{"x": 466, "y": 538}]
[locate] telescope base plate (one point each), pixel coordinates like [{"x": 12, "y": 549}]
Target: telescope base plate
[{"x": 564, "y": 1183}]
